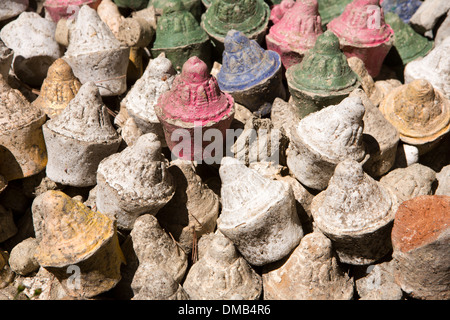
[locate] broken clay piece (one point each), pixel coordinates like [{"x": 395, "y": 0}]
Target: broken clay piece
[{"x": 420, "y": 239}]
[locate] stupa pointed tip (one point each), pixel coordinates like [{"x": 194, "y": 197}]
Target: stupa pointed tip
[{"x": 195, "y": 70}]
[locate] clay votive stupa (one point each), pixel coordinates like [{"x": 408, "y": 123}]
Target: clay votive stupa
[
  {"x": 357, "y": 213},
  {"x": 134, "y": 182},
  {"x": 323, "y": 77},
  {"x": 143, "y": 95},
  {"x": 194, "y": 104},
  {"x": 296, "y": 32},
  {"x": 278, "y": 10},
  {"x": 258, "y": 214},
  {"x": 74, "y": 238},
  {"x": 363, "y": 32},
  {"x": 79, "y": 138},
  {"x": 58, "y": 89},
  {"x": 96, "y": 55},
  {"x": 409, "y": 44},
  {"x": 251, "y": 17},
  {"x": 420, "y": 112},
  {"x": 323, "y": 139},
  {"x": 180, "y": 37},
  {"x": 249, "y": 73},
  {"x": 22, "y": 147}
]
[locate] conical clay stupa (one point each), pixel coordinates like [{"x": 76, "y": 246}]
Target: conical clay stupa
[
  {"x": 362, "y": 32},
  {"x": 66, "y": 9},
  {"x": 222, "y": 274},
  {"x": 193, "y": 105},
  {"x": 180, "y": 37},
  {"x": 251, "y": 17},
  {"x": 323, "y": 139},
  {"x": 356, "y": 213},
  {"x": 249, "y": 73},
  {"x": 58, "y": 89},
  {"x": 409, "y": 44},
  {"x": 420, "y": 113},
  {"x": 72, "y": 238},
  {"x": 96, "y": 55},
  {"x": 134, "y": 182},
  {"x": 296, "y": 32},
  {"x": 143, "y": 96},
  {"x": 323, "y": 77},
  {"x": 79, "y": 138},
  {"x": 258, "y": 214},
  {"x": 311, "y": 272},
  {"x": 22, "y": 147}
]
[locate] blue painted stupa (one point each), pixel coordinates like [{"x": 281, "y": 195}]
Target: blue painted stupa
[
  {"x": 252, "y": 75},
  {"x": 403, "y": 8}
]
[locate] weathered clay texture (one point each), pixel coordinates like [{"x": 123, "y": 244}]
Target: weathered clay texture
[
  {"x": 443, "y": 178},
  {"x": 22, "y": 260},
  {"x": 420, "y": 239},
  {"x": 32, "y": 39},
  {"x": 6, "y": 58},
  {"x": 258, "y": 214},
  {"x": 380, "y": 137},
  {"x": 413, "y": 181},
  {"x": 96, "y": 55},
  {"x": 12, "y": 8},
  {"x": 323, "y": 139},
  {"x": 194, "y": 208},
  {"x": 434, "y": 67},
  {"x": 22, "y": 147},
  {"x": 155, "y": 249},
  {"x": 79, "y": 138},
  {"x": 59, "y": 87},
  {"x": 134, "y": 182},
  {"x": 428, "y": 14},
  {"x": 311, "y": 272},
  {"x": 356, "y": 213},
  {"x": 71, "y": 235},
  {"x": 222, "y": 274}
]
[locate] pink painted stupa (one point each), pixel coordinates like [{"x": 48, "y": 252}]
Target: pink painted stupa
[
  {"x": 193, "y": 105},
  {"x": 58, "y": 9},
  {"x": 296, "y": 32},
  {"x": 277, "y": 12},
  {"x": 363, "y": 32}
]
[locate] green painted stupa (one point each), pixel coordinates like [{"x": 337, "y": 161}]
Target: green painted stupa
[
  {"x": 193, "y": 6},
  {"x": 179, "y": 36},
  {"x": 251, "y": 17},
  {"x": 409, "y": 44},
  {"x": 330, "y": 9},
  {"x": 323, "y": 77}
]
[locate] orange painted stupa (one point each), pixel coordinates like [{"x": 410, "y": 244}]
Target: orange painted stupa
[{"x": 420, "y": 113}]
